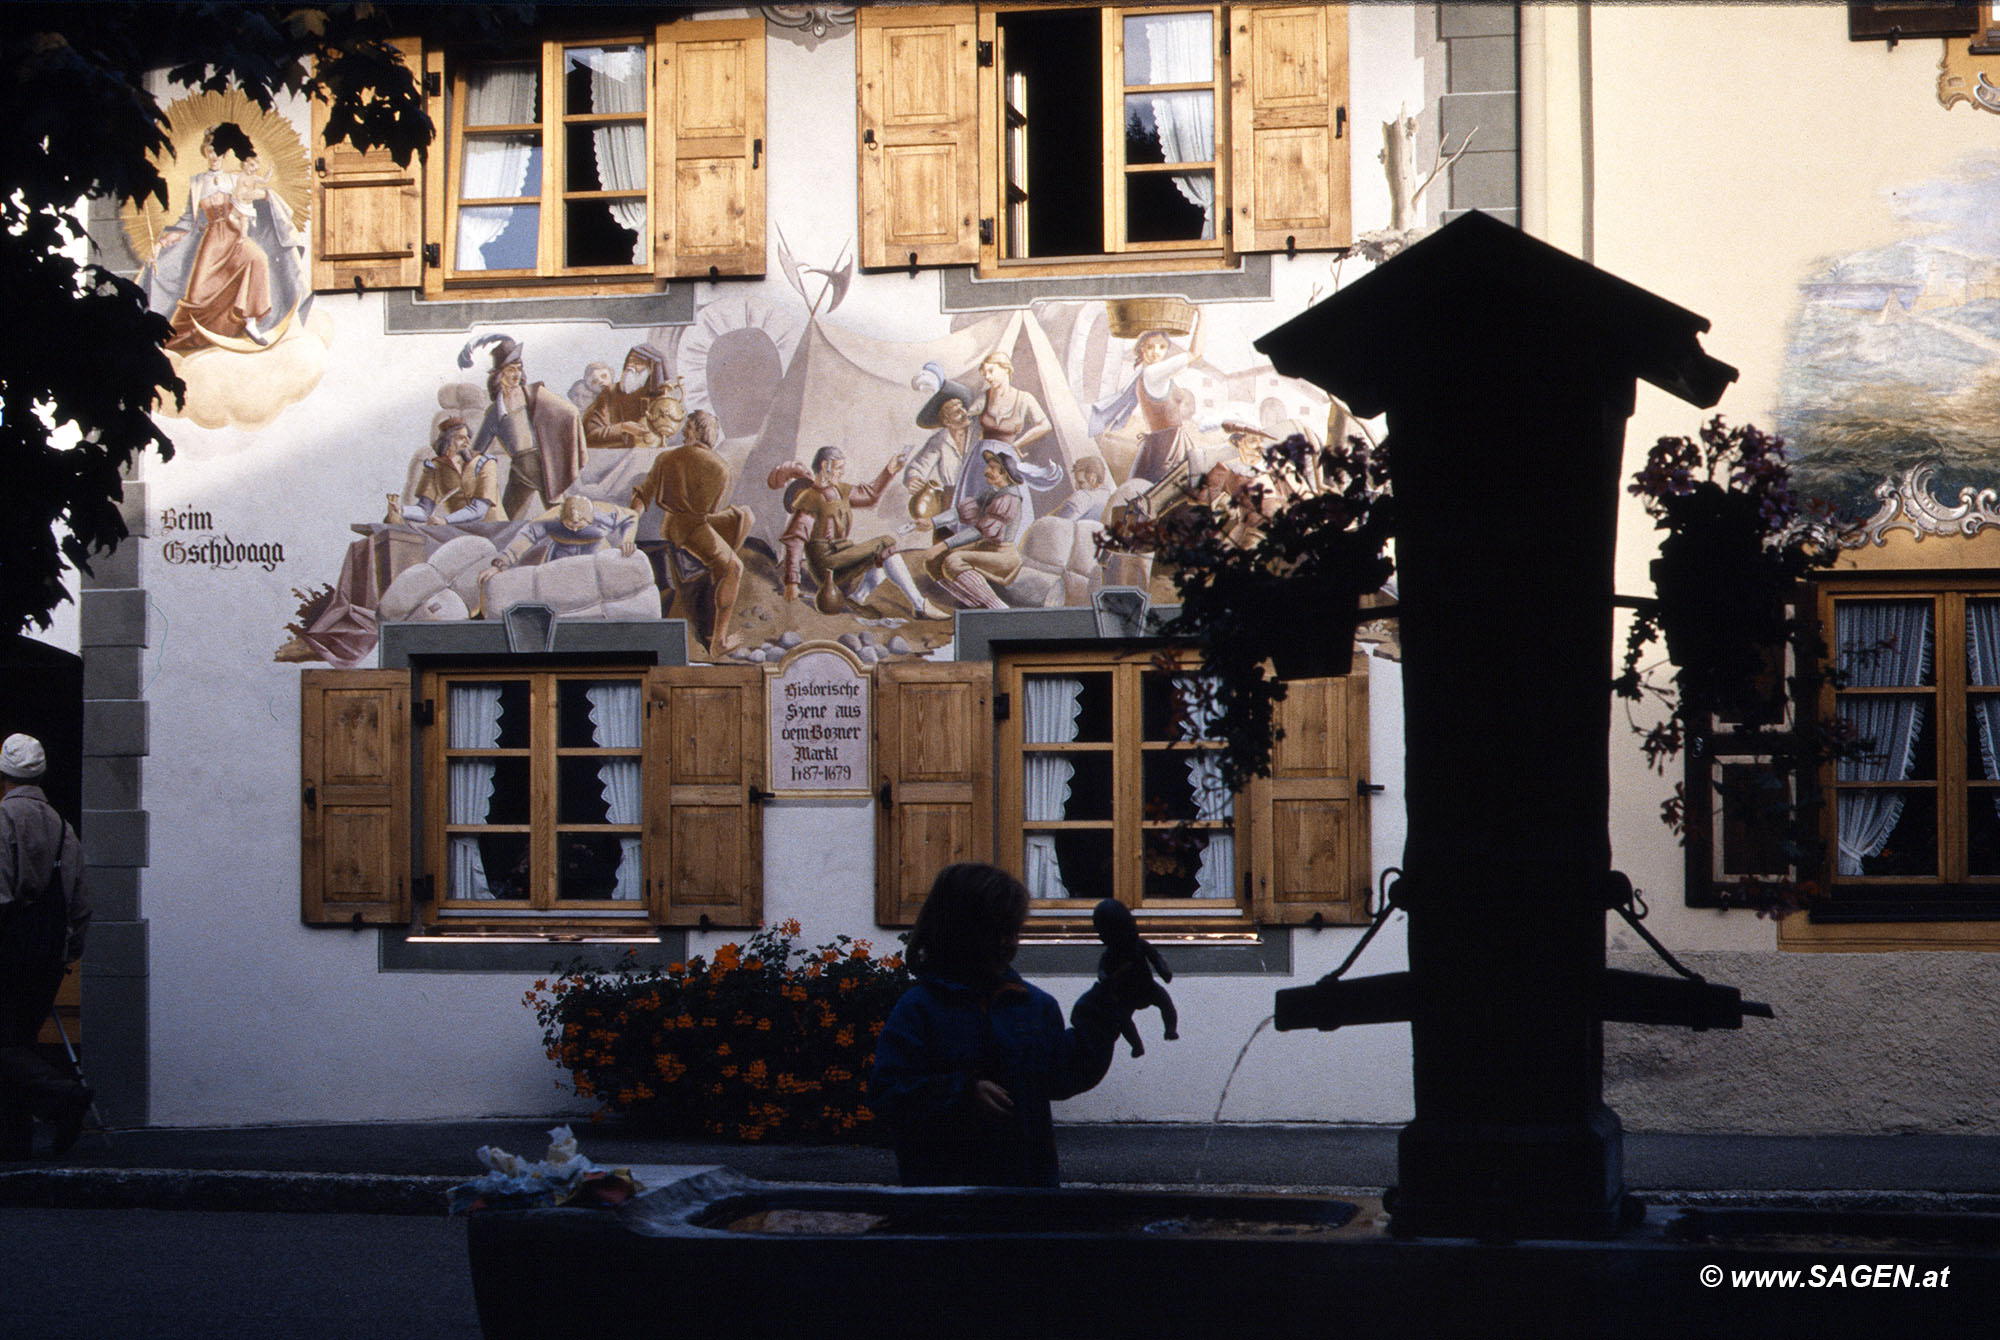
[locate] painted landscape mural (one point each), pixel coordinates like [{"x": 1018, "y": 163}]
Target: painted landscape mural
[{"x": 1894, "y": 353}]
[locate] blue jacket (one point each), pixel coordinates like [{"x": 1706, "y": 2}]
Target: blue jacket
[{"x": 942, "y": 1036}]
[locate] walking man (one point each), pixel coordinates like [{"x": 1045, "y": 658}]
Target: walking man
[{"x": 44, "y": 912}]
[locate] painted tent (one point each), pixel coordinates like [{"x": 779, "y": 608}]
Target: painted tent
[{"x": 854, "y": 391}]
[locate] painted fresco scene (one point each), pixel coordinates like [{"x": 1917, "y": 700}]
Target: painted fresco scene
[
  {"x": 1893, "y": 361},
  {"x": 773, "y": 477},
  {"x": 225, "y": 261}
]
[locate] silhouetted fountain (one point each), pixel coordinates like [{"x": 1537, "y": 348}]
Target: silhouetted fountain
[{"x": 1507, "y": 371}]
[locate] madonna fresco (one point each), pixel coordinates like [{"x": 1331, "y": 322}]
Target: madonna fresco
[{"x": 225, "y": 260}]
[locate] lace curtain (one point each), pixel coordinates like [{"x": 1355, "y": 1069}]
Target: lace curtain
[
  {"x": 618, "y": 85},
  {"x": 1052, "y": 707},
  {"x": 1880, "y": 644},
  {"x": 1213, "y": 802},
  {"x": 472, "y": 716},
  {"x": 1181, "y": 51},
  {"x": 1982, "y": 653},
  {"x": 494, "y": 167},
  {"x": 614, "y": 720}
]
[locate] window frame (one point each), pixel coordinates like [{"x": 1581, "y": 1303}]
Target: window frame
[
  {"x": 1889, "y": 913},
  {"x": 1127, "y": 825},
  {"x": 543, "y": 908},
  {"x": 1119, "y": 255},
  {"x": 553, "y": 196}
]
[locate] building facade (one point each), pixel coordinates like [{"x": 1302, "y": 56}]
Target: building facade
[{"x": 674, "y": 503}]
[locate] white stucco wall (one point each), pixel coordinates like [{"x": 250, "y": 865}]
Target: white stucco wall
[
  {"x": 256, "y": 1018},
  {"x": 1731, "y": 148}
]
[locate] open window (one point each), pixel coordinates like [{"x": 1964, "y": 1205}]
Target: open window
[{"x": 1061, "y": 139}]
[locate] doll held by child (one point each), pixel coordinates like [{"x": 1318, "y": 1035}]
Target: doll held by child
[
  {"x": 972, "y": 1056},
  {"x": 1126, "y": 951}
]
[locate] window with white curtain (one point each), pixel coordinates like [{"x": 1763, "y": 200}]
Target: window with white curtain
[
  {"x": 550, "y": 158},
  {"x": 541, "y": 806},
  {"x": 1113, "y": 134},
  {"x": 1915, "y": 811},
  {"x": 1110, "y": 787}
]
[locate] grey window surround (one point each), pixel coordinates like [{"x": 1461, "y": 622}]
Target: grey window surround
[
  {"x": 405, "y": 313},
  {"x": 418, "y": 646},
  {"x": 961, "y": 289}
]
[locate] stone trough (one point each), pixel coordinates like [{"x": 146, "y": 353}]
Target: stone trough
[{"x": 720, "y": 1254}]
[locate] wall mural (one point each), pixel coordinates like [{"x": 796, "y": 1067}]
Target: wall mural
[
  {"x": 225, "y": 261},
  {"x": 1894, "y": 354},
  {"x": 776, "y": 478}
]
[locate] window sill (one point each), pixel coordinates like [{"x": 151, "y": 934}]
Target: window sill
[
  {"x": 521, "y": 952},
  {"x": 1251, "y": 953},
  {"x": 1971, "y": 929},
  {"x": 1136, "y": 262}
]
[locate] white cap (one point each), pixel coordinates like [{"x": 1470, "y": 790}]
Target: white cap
[{"x": 21, "y": 758}]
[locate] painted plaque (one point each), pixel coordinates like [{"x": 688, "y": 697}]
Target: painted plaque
[{"x": 820, "y": 722}]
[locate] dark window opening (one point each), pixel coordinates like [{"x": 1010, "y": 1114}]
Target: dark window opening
[{"x": 1053, "y": 85}]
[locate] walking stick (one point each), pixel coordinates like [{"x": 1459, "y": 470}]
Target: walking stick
[{"x": 76, "y": 1067}]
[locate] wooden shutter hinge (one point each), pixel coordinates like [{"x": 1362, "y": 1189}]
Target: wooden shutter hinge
[
  {"x": 985, "y": 55},
  {"x": 1339, "y": 121},
  {"x": 424, "y": 889},
  {"x": 986, "y": 232},
  {"x": 433, "y": 84},
  {"x": 423, "y": 713},
  {"x": 433, "y": 255},
  {"x": 1003, "y": 706}
]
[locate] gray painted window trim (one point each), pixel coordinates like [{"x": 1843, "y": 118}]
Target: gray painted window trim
[
  {"x": 399, "y": 951},
  {"x": 410, "y": 646},
  {"x": 403, "y": 313},
  {"x": 960, "y": 289}
]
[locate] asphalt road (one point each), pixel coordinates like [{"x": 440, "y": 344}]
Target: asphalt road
[{"x": 195, "y": 1275}]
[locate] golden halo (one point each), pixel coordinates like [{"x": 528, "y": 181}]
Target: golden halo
[{"x": 188, "y": 119}]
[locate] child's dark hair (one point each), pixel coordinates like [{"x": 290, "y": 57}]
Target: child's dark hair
[{"x": 969, "y": 913}]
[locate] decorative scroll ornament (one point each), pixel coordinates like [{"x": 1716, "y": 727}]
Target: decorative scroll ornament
[
  {"x": 1967, "y": 77},
  {"x": 1908, "y": 504},
  {"x": 819, "y": 20}
]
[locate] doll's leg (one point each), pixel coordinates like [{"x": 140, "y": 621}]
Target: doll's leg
[
  {"x": 1130, "y": 1032},
  {"x": 1169, "y": 1019}
]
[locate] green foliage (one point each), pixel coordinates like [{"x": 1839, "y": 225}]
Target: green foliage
[
  {"x": 1264, "y": 573},
  {"x": 1737, "y": 542},
  {"x": 767, "y": 1040},
  {"x": 83, "y": 366}
]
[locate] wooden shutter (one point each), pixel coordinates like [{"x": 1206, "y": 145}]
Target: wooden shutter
[
  {"x": 918, "y": 88},
  {"x": 367, "y": 220},
  {"x": 1309, "y": 849},
  {"x": 1288, "y": 137},
  {"x": 709, "y": 148},
  {"x": 934, "y": 751},
  {"x": 703, "y": 793},
  {"x": 354, "y": 831}
]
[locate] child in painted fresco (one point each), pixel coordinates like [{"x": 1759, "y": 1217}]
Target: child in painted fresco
[{"x": 972, "y": 1056}]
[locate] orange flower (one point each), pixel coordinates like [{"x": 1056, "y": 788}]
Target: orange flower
[
  {"x": 763, "y": 1025},
  {"x": 844, "y": 1038},
  {"x": 722, "y": 1049},
  {"x": 789, "y": 927}
]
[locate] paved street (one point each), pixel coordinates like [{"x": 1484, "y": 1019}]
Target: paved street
[{"x": 206, "y": 1275}]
